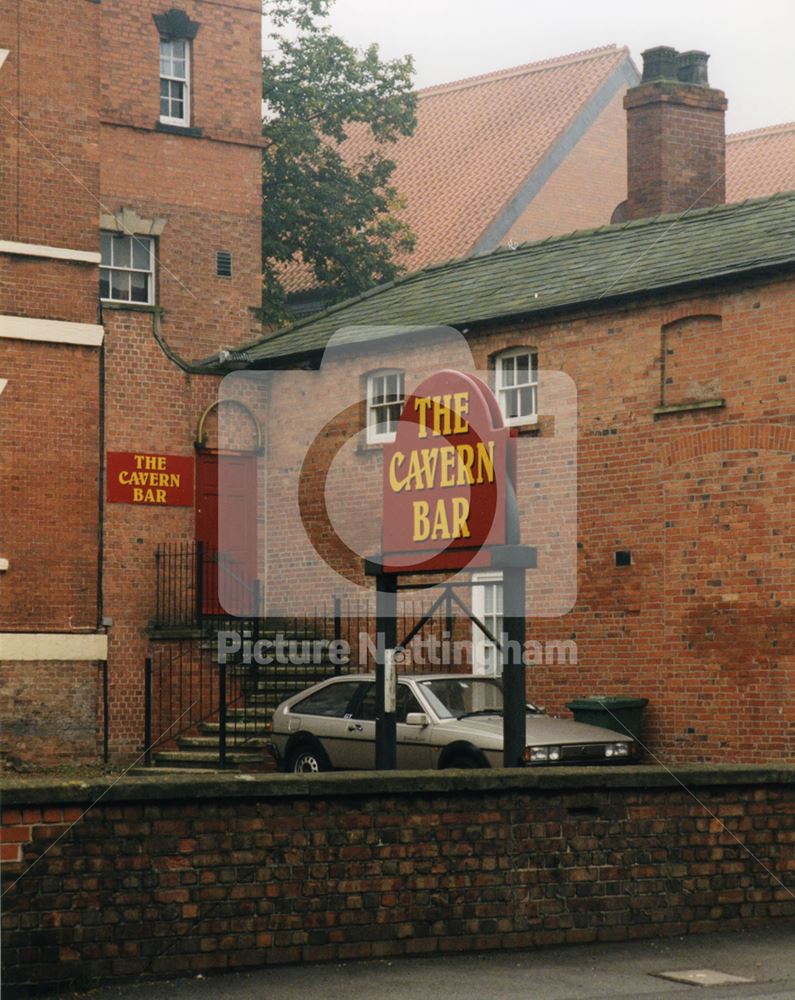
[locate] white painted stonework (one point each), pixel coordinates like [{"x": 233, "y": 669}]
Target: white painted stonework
[
  {"x": 54, "y": 253},
  {"x": 51, "y": 331},
  {"x": 15, "y": 646}
]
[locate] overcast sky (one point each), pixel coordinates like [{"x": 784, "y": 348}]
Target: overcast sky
[{"x": 750, "y": 42}]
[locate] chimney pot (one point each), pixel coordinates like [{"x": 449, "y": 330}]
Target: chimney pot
[
  {"x": 660, "y": 63},
  {"x": 692, "y": 68}
]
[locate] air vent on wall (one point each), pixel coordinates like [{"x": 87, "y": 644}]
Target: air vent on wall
[{"x": 223, "y": 263}]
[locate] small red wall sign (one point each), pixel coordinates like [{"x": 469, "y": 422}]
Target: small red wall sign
[
  {"x": 446, "y": 476},
  {"x": 150, "y": 480}
]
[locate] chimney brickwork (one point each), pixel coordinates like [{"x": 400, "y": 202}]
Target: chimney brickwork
[{"x": 676, "y": 143}]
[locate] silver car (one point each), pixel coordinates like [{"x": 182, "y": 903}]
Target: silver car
[{"x": 443, "y": 720}]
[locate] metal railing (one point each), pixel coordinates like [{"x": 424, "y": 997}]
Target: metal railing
[
  {"x": 195, "y": 582},
  {"x": 229, "y": 678}
]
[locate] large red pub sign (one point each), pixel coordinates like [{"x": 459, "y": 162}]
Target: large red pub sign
[{"x": 446, "y": 477}]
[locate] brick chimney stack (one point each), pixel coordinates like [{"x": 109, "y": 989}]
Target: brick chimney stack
[{"x": 676, "y": 143}]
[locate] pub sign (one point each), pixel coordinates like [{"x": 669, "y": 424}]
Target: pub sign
[{"x": 150, "y": 480}]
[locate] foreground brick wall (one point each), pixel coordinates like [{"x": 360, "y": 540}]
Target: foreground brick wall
[{"x": 202, "y": 874}]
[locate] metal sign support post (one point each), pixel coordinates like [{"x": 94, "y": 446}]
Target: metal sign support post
[
  {"x": 514, "y": 698},
  {"x": 386, "y": 640}
]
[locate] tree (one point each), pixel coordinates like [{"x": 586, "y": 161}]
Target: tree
[{"x": 337, "y": 217}]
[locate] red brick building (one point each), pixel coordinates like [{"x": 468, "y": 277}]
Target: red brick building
[
  {"x": 677, "y": 331},
  {"x": 129, "y": 247},
  {"x": 129, "y": 242}
]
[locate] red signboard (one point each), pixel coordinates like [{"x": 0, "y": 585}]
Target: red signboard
[
  {"x": 446, "y": 476},
  {"x": 150, "y": 480}
]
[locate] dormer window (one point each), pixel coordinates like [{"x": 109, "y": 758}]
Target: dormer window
[{"x": 175, "y": 81}]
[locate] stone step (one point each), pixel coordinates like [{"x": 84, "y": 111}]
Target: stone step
[
  {"x": 163, "y": 771},
  {"x": 197, "y": 758},
  {"x": 259, "y": 727},
  {"x": 211, "y": 742},
  {"x": 248, "y": 715}
]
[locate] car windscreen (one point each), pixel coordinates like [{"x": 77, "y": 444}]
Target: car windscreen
[
  {"x": 331, "y": 701},
  {"x": 455, "y": 697}
]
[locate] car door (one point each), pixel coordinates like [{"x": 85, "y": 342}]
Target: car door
[
  {"x": 413, "y": 747},
  {"x": 325, "y": 713},
  {"x": 414, "y": 751},
  {"x": 356, "y": 748}
]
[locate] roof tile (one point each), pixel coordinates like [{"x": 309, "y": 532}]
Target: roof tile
[{"x": 628, "y": 259}]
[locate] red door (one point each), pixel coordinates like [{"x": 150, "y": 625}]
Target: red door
[{"x": 226, "y": 522}]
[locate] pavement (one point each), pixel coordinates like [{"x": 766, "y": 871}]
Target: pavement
[{"x": 575, "y": 972}]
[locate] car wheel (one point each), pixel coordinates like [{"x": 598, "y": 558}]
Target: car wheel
[
  {"x": 309, "y": 758},
  {"x": 462, "y": 760}
]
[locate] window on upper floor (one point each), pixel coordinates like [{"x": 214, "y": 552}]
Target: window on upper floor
[
  {"x": 516, "y": 385},
  {"x": 127, "y": 268},
  {"x": 175, "y": 81},
  {"x": 385, "y": 398}
]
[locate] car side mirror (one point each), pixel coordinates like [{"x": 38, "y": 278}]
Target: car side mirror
[{"x": 417, "y": 719}]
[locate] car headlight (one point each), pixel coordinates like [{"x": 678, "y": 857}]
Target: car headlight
[
  {"x": 617, "y": 750},
  {"x": 535, "y": 755}
]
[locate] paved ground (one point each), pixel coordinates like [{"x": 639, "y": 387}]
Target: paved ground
[{"x": 580, "y": 972}]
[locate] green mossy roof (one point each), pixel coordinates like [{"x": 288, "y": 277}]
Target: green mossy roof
[{"x": 628, "y": 259}]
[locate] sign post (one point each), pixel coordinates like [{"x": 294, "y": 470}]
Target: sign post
[
  {"x": 386, "y": 639},
  {"x": 450, "y": 505}
]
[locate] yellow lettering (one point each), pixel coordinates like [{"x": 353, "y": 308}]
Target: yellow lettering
[
  {"x": 485, "y": 455},
  {"x": 173, "y": 479},
  {"x": 441, "y": 528},
  {"x": 448, "y": 461},
  {"x": 422, "y": 526},
  {"x": 124, "y": 477},
  {"x": 396, "y": 484},
  {"x": 422, "y": 405},
  {"x": 466, "y": 456},
  {"x": 461, "y": 408},
  {"x": 161, "y": 462},
  {"x": 138, "y": 494},
  {"x": 460, "y": 517},
  {"x": 160, "y": 496}
]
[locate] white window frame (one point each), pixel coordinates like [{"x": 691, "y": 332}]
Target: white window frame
[
  {"x": 375, "y": 436},
  {"x": 185, "y": 81},
  {"x": 484, "y": 649},
  {"x": 150, "y": 271},
  {"x": 503, "y": 388}
]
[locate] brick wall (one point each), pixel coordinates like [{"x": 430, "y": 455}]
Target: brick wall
[
  {"x": 698, "y": 622},
  {"x": 208, "y": 188},
  {"x": 586, "y": 187},
  {"x": 156, "y": 410},
  {"x": 48, "y": 464},
  {"x": 179, "y": 877},
  {"x": 50, "y": 155},
  {"x": 226, "y": 71},
  {"x": 51, "y": 712}
]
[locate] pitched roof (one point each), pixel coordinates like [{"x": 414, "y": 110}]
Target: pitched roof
[
  {"x": 476, "y": 143},
  {"x": 760, "y": 162},
  {"x": 632, "y": 258}
]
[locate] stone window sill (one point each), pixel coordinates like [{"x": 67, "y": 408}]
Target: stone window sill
[
  {"x": 132, "y": 307},
  {"x": 189, "y": 130},
  {"x": 704, "y": 404}
]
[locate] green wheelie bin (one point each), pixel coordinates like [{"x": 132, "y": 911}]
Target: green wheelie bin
[{"x": 618, "y": 714}]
